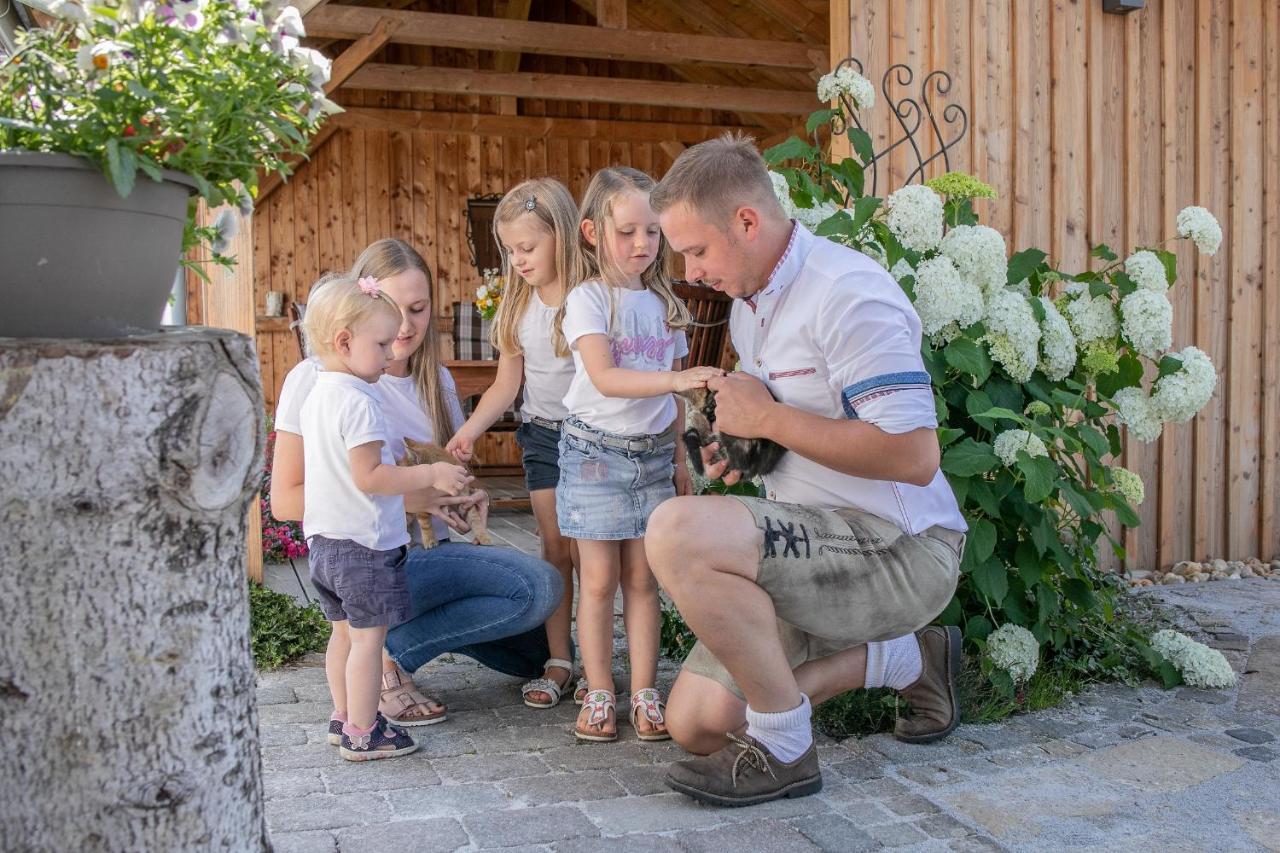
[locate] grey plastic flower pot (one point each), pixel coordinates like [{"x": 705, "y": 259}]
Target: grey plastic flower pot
[{"x": 76, "y": 259}]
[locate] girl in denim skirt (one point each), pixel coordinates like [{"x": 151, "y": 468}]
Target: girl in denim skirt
[
  {"x": 536, "y": 225},
  {"x": 619, "y": 458},
  {"x": 354, "y": 504}
]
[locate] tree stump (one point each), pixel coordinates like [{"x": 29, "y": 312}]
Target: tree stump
[{"x": 126, "y": 682}]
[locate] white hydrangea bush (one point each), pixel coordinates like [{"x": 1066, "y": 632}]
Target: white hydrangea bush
[
  {"x": 1014, "y": 650},
  {"x": 1199, "y": 665}
]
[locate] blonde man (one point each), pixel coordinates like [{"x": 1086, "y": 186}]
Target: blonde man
[{"x": 825, "y": 584}]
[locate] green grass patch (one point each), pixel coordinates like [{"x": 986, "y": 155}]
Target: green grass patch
[{"x": 281, "y": 630}]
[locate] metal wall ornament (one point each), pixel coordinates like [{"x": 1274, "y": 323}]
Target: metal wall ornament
[{"x": 911, "y": 114}]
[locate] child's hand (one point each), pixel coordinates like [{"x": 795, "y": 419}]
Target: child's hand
[
  {"x": 462, "y": 446},
  {"x": 450, "y": 479},
  {"x": 695, "y": 377}
]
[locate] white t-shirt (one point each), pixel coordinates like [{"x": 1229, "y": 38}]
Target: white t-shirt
[
  {"x": 404, "y": 411},
  {"x": 341, "y": 412},
  {"x": 546, "y": 375},
  {"x": 640, "y": 340},
  {"x": 832, "y": 333}
]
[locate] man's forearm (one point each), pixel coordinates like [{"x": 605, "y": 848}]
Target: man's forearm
[{"x": 855, "y": 447}]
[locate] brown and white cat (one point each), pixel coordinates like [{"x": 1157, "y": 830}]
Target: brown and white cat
[
  {"x": 424, "y": 453},
  {"x": 754, "y": 457}
]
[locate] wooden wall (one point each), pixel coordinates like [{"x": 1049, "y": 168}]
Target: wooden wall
[{"x": 1098, "y": 128}]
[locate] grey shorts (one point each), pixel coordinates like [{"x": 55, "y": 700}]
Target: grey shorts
[
  {"x": 359, "y": 585},
  {"x": 841, "y": 578}
]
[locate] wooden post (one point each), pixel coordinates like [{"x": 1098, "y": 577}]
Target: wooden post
[{"x": 128, "y": 465}]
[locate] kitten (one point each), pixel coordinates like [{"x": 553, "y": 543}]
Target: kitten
[
  {"x": 422, "y": 453},
  {"x": 752, "y": 456}
]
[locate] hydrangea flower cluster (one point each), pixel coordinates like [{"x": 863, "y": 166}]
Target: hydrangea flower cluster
[
  {"x": 1147, "y": 321},
  {"x": 1200, "y": 227},
  {"x": 978, "y": 253},
  {"x": 960, "y": 185},
  {"x": 915, "y": 216},
  {"x": 847, "y": 81},
  {"x": 945, "y": 301},
  {"x": 809, "y": 217},
  {"x": 1129, "y": 485},
  {"x": 1092, "y": 318},
  {"x": 1013, "y": 334},
  {"x": 1009, "y": 442},
  {"x": 1199, "y": 665},
  {"x": 1134, "y": 409},
  {"x": 1057, "y": 343},
  {"x": 1145, "y": 269},
  {"x": 1015, "y": 650},
  {"x": 1178, "y": 396}
]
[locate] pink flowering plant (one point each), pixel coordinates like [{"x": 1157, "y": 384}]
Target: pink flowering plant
[
  {"x": 215, "y": 89},
  {"x": 281, "y": 540}
]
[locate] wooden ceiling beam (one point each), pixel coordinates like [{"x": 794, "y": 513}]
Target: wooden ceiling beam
[
  {"x": 570, "y": 87},
  {"x": 470, "y": 32},
  {"x": 532, "y": 127},
  {"x": 611, "y": 14},
  {"x": 509, "y": 60}
]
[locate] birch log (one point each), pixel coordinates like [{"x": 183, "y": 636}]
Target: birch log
[{"x": 127, "y": 712}]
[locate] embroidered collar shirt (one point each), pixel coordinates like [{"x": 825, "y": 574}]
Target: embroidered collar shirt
[{"x": 832, "y": 333}]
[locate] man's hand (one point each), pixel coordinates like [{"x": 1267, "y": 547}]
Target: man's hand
[
  {"x": 716, "y": 469},
  {"x": 743, "y": 405}
]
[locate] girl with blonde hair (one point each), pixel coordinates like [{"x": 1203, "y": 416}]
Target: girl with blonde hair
[
  {"x": 536, "y": 224},
  {"x": 619, "y": 458},
  {"x": 485, "y": 602}
]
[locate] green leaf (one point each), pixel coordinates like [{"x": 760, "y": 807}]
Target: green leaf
[
  {"x": 977, "y": 401},
  {"x": 1169, "y": 364},
  {"x": 960, "y": 487},
  {"x": 1000, "y": 412},
  {"x": 1043, "y": 534},
  {"x": 992, "y": 579},
  {"x": 1102, "y": 250},
  {"x": 1047, "y": 602},
  {"x": 1028, "y": 562},
  {"x": 978, "y": 628},
  {"x": 1077, "y": 500},
  {"x": 1125, "y": 514},
  {"x": 1124, "y": 284},
  {"x": 1037, "y": 308},
  {"x": 861, "y": 141},
  {"x": 863, "y": 209},
  {"x": 966, "y": 356},
  {"x": 850, "y": 173},
  {"x": 968, "y": 458},
  {"x": 1039, "y": 473},
  {"x": 836, "y": 223},
  {"x": 1099, "y": 288},
  {"x": 984, "y": 497},
  {"x": 947, "y": 435},
  {"x": 1094, "y": 440},
  {"x": 120, "y": 167},
  {"x": 817, "y": 118},
  {"x": 1128, "y": 375},
  {"x": 794, "y": 148},
  {"x": 1023, "y": 264},
  {"x": 1080, "y": 593},
  {"x": 1170, "y": 261},
  {"x": 982, "y": 539}
]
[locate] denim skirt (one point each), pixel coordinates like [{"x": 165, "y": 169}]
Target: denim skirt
[{"x": 608, "y": 493}]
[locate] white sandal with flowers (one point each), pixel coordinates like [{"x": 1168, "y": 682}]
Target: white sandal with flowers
[
  {"x": 649, "y": 702},
  {"x": 599, "y": 705},
  {"x": 548, "y": 685}
]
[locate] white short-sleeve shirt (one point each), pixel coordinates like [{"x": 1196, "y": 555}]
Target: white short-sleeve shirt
[
  {"x": 403, "y": 409},
  {"x": 636, "y": 325},
  {"x": 832, "y": 333},
  {"x": 343, "y": 412},
  {"x": 547, "y": 376}
]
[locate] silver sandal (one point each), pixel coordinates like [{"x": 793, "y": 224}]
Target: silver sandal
[{"x": 548, "y": 685}]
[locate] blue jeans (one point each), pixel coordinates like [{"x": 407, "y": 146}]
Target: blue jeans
[{"x": 485, "y": 602}]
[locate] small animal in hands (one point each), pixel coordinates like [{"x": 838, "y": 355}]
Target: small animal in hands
[
  {"x": 754, "y": 457},
  {"x": 424, "y": 453}
]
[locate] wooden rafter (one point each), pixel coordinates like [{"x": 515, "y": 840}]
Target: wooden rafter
[
  {"x": 571, "y": 87},
  {"x": 611, "y": 14},
  {"x": 470, "y": 32},
  {"x": 509, "y": 60}
]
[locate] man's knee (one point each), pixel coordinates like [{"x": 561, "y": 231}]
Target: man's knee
[
  {"x": 684, "y": 530},
  {"x": 700, "y": 712}
]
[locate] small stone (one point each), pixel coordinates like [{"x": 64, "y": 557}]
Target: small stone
[
  {"x": 1275, "y": 565},
  {"x": 1248, "y": 572},
  {"x": 1234, "y": 576},
  {"x": 1257, "y": 753},
  {"x": 1199, "y": 577},
  {"x": 1144, "y": 582},
  {"x": 1186, "y": 568},
  {"x": 1219, "y": 565},
  {"x": 1171, "y": 579},
  {"x": 1218, "y": 576},
  {"x": 1235, "y": 566},
  {"x": 1253, "y": 736}
]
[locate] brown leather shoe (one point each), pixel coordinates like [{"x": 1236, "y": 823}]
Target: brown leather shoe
[
  {"x": 935, "y": 710},
  {"x": 744, "y": 773}
]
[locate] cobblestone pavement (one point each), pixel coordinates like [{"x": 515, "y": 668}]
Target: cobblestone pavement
[{"x": 1115, "y": 768}]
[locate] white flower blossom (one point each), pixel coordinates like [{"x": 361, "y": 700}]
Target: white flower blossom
[
  {"x": 1200, "y": 226},
  {"x": 915, "y": 217},
  {"x": 289, "y": 23},
  {"x": 1178, "y": 396},
  {"x": 1199, "y": 665},
  {"x": 1148, "y": 321},
  {"x": 901, "y": 270},
  {"x": 315, "y": 63},
  {"x": 945, "y": 302},
  {"x": 1092, "y": 318},
  {"x": 848, "y": 82},
  {"x": 1147, "y": 271},
  {"x": 1129, "y": 485},
  {"x": 1057, "y": 343},
  {"x": 812, "y": 217},
  {"x": 63, "y": 9},
  {"x": 1013, "y": 335},
  {"x": 1135, "y": 411},
  {"x": 1009, "y": 442},
  {"x": 1015, "y": 650},
  {"x": 978, "y": 252}
]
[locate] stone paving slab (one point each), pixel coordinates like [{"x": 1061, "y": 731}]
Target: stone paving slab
[{"x": 1116, "y": 768}]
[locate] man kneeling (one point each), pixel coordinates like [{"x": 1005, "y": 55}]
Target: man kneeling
[{"x": 824, "y": 585}]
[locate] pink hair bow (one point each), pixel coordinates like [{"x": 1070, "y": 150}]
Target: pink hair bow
[{"x": 369, "y": 286}]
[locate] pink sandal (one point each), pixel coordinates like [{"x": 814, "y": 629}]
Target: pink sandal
[
  {"x": 599, "y": 704},
  {"x": 649, "y": 702}
]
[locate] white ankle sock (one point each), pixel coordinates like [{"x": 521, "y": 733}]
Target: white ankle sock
[
  {"x": 894, "y": 663},
  {"x": 786, "y": 734}
]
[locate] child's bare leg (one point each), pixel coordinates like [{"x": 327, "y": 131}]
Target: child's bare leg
[
  {"x": 640, "y": 614},
  {"x": 556, "y": 550},
  {"x": 597, "y": 586},
  {"x": 364, "y": 675},
  {"x": 335, "y": 665}
]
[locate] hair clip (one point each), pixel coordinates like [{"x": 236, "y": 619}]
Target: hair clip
[
  {"x": 369, "y": 286},
  {"x": 531, "y": 202}
]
